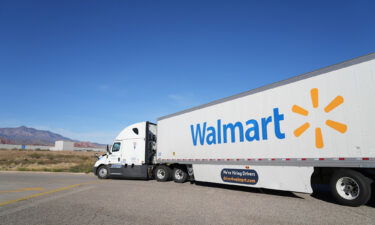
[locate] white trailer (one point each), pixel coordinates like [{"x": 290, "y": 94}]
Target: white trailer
[{"x": 312, "y": 128}]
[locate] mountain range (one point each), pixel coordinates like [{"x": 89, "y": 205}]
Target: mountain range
[{"x": 31, "y": 136}]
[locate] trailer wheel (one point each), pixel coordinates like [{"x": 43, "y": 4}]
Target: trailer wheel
[
  {"x": 162, "y": 173},
  {"x": 350, "y": 187},
  {"x": 179, "y": 175},
  {"x": 102, "y": 172}
]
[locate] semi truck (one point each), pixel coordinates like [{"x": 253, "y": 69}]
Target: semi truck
[{"x": 315, "y": 128}]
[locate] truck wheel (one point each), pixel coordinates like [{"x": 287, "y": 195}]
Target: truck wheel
[
  {"x": 162, "y": 173},
  {"x": 102, "y": 172},
  {"x": 350, "y": 187},
  {"x": 179, "y": 175}
]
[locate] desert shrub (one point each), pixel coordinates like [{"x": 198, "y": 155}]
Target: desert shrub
[
  {"x": 66, "y": 161},
  {"x": 35, "y": 155}
]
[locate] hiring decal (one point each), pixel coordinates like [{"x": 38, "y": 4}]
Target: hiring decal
[{"x": 239, "y": 176}]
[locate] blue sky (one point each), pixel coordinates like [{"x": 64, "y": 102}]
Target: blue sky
[{"x": 87, "y": 69}]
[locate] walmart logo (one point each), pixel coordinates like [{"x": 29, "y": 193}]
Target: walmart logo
[
  {"x": 265, "y": 126},
  {"x": 340, "y": 127}
]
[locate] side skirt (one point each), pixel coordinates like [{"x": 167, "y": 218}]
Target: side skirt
[{"x": 131, "y": 172}]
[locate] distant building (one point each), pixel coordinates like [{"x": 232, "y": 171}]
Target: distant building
[
  {"x": 63, "y": 146},
  {"x": 59, "y": 146}
]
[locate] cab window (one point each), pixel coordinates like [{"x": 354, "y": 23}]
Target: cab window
[{"x": 116, "y": 147}]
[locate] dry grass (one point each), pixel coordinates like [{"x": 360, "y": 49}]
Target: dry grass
[{"x": 59, "y": 161}]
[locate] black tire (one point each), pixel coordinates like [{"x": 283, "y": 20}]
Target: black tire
[
  {"x": 162, "y": 173},
  {"x": 102, "y": 172},
  {"x": 350, "y": 187},
  {"x": 179, "y": 175}
]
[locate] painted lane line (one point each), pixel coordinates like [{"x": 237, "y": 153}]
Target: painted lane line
[
  {"x": 23, "y": 189},
  {"x": 43, "y": 193},
  {"x": 30, "y": 204}
]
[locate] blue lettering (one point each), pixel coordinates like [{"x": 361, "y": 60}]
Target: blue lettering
[
  {"x": 211, "y": 137},
  {"x": 277, "y": 118},
  {"x": 265, "y": 122},
  {"x": 199, "y": 133},
  {"x": 254, "y": 129},
  {"x": 219, "y": 131},
  {"x": 233, "y": 133}
]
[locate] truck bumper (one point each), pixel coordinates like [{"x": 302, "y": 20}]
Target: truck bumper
[{"x": 94, "y": 170}]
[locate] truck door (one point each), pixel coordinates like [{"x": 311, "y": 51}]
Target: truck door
[
  {"x": 115, "y": 159},
  {"x": 134, "y": 153},
  {"x": 134, "y": 158}
]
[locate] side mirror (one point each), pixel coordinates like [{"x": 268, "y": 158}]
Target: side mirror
[{"x": 109, "y": 152}]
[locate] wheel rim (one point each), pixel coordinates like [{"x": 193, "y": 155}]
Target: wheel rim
[
  {"x": 160, "y": 174},
  {"x": 347, "y": 188},
  {"x": 178, "y": 174},
  {"x": 103, "y": 172}
]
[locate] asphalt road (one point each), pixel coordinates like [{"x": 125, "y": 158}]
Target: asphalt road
[{"x": 63, "y": 198}]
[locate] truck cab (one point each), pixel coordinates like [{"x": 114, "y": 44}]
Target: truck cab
[{"x": 131, "y": 154}]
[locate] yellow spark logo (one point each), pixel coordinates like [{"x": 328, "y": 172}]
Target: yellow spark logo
[{"x": 340, "y": 127}]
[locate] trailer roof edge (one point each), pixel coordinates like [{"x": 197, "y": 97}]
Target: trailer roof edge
[{"x": 303, "y": 76}]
